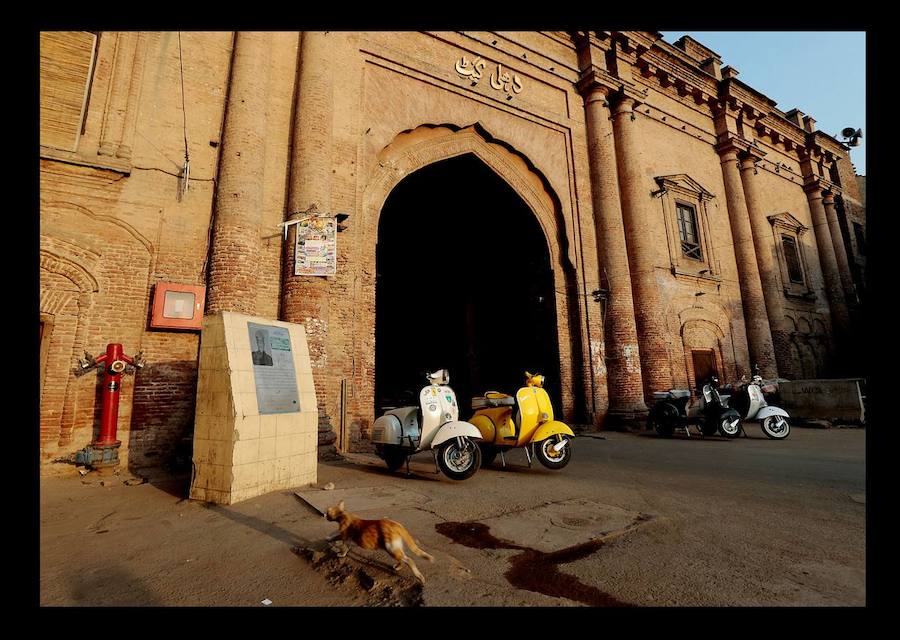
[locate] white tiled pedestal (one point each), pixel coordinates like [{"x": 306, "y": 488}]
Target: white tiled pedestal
[{"x": 238, "y": 453}]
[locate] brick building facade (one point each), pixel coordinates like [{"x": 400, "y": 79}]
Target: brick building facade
[{"x": 689, "y": 224}]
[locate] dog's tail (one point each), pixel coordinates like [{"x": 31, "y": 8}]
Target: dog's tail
[{"x": 408, "y": 539}]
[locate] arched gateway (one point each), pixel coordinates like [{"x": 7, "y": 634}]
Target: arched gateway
[{"x": 472, "y": 267}]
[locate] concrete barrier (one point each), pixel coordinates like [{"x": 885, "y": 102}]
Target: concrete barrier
[{"x": 837, "y": 400}]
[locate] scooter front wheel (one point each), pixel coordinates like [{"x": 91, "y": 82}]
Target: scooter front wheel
[
  {"x": 776, "y": 427},
  {"x": 730, "y": 427},
  {"x": 459, "y": 463},
  {"x": 548, "y": 456}
]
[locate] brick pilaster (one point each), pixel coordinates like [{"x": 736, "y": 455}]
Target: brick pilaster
[
  {"x": 624, "y": 381},
  {"x": 769, "y": 270},
  {"x": 117, "y": 96},
  {"x": 753, "y": 301},
  {"x": 840, "y": 316},
  {"x": 840, "y": 251},
  {"x": 234, "y": 260},
  {"x": 305, "y": 299},
  {"x": 651, "y": 327}
]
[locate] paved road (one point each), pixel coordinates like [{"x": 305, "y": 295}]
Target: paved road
[{"x": 718, "y": 522}]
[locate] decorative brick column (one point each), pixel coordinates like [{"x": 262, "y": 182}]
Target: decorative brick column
[
  {"x": 840, "y": 316},
  {"x": 234, "y": 260},
  {"x": 623, "y": 364},
  {"x": 759, "y": 336},
  {"x": 640, "y": 236},
  {"x": 304, "y": 299},
  {"x": 837, "y": 242},
  {"x": 769, "y": 270},
  {"x": 118, "y": 92}
]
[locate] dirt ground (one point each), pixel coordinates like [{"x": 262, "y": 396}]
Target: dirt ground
[{"x": 634, "y": 520}]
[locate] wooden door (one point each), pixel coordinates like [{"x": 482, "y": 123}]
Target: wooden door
[{"x": 704, "y": 366}]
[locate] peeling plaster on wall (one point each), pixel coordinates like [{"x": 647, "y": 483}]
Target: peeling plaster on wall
[
  {"x": 629, "y": 352},
  {"x": 597, "y": 355}
]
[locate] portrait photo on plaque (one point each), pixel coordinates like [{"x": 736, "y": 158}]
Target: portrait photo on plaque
[
  {"x": 273, "y": 369},
  {"x": 262, "y": 352}
]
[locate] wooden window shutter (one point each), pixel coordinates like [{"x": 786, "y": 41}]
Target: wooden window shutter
[{"x": 67, "y": 60}]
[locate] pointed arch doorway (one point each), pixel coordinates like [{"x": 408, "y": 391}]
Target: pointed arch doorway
[{"x": 464, "y": 281}]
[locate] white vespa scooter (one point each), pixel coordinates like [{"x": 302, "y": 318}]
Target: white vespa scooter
[
  {"x": 435, "y": 425},
  {"x": 750, "y": 402}
]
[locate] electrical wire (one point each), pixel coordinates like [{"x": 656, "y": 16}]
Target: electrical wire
[{"x": 187, "y": 161}]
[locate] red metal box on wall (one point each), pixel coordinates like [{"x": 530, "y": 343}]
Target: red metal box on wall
[{"x": 177, "y": 306}]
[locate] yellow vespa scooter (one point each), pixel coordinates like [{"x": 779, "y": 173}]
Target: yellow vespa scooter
[{"x": 526, "y": 420}]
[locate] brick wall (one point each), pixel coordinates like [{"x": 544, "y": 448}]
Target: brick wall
[
  {"x": 111, "y": 230},
  {"x": 384, "y": 105}
]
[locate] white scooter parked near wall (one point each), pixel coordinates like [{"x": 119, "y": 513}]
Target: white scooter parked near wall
[
  {"x": 749, "y": 401},
  {"x": 434, "y": 424}
]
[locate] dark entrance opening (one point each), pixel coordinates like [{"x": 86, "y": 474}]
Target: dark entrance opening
[
  {"x": 704, "y": 367},
  {"x": 464, "y": 282}
]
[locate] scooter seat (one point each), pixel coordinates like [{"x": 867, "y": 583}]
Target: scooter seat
[
  {"x": 672, "y": 394},
  {"x": 489, "y": 403}
]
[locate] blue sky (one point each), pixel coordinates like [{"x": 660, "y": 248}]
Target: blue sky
[{"x": 822, "y": 73}]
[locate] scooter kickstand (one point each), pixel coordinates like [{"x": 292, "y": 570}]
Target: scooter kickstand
[
  {"x": 528, "y": 456},
  {"x": 434, "y": 458},
  {"x": 502, "y": 458},
  {"x": 407, "y": 466}
]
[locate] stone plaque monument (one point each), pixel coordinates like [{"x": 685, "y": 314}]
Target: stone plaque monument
[{"x": 255, "y": 425}]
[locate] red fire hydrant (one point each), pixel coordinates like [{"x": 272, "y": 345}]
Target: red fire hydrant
[{"x": 104, "y": 451}]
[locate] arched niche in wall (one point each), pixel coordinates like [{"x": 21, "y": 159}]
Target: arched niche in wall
[{"x": 67, "y": 289}]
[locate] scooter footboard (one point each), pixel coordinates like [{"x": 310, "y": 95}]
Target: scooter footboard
[
  {"x": 552, "y": 428},
  {"x": 454, "y": 430}
]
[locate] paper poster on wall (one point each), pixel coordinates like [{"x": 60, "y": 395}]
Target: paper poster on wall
[
  {"x": 316, "y": 249},
  {"x": 273, "y": 369}
]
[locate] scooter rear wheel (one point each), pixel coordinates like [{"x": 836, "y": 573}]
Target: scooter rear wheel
[
  {"x": 394, "y": 456},
  {"x": 488, "y": 454},
  {"x": 708, "y": 428},
  {"x": 662, "y": 425},
  {"x": 456, "y": 463}
]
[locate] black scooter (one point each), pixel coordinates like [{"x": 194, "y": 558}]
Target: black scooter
[{"x": 673, "y": 410}]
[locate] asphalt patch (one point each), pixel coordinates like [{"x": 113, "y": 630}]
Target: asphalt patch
[
  {"x": 362, "y": 499},
  {"x": 559, "y": 525}
]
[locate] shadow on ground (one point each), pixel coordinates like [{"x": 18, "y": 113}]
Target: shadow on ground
[{"x": 109, "y": 586}]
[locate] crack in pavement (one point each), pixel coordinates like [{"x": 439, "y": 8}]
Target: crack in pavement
[{"x": 96, "y": 525}]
